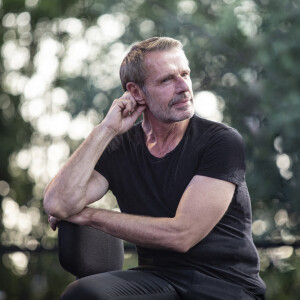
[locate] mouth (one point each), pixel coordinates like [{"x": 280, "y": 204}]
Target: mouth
[{"x": 180, "y": 102}]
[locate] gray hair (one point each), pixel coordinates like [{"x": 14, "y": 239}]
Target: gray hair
[{"x": 132, "y": 68}]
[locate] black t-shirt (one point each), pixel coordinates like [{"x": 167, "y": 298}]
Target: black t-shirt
[{"x": 146, "y": 185}]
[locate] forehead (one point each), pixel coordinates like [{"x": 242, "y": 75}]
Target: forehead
[{"x": 165, "y": 61}]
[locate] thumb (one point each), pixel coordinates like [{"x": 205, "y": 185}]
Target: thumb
[{"x": 138, "y": 112}]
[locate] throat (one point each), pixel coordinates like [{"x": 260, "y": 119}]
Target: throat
[{"x": 161, "y": 142}]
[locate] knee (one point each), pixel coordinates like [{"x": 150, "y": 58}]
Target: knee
[{"x": 80, "y": 289}]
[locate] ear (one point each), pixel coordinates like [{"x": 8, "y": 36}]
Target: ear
[{"x": 136, "y": 92}]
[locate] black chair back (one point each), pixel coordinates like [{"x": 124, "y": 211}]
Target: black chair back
[{"x": 85, "y": 251}]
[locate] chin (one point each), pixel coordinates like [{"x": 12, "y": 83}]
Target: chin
[
  {"x": 173, "y": 115},
  {"x": 183, "y": 115}
]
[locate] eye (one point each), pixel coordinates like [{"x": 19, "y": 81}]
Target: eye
[
  {"x": 185, "y": 74},
  {"x": 166, "y": 79}
]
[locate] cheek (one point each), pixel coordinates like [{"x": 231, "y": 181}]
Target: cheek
[{"x": 161, "y": 97}]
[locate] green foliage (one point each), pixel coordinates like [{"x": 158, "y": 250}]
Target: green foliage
[
  {"x": 283, "y": 282},
  {"x": 245, "y": 52}
]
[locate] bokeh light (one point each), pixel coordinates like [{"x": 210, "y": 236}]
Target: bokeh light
[{"x": 209, "y": 106}]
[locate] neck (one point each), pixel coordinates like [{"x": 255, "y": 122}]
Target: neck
[{"x": 161, "y": 138}]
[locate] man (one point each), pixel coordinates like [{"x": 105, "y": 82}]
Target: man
[{"x": 180, "y": 184}]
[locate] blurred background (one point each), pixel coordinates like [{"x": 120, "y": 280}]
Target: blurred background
[{"x": 59, "y": 73}]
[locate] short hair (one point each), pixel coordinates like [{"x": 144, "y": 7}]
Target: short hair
[{"x": 132, "y": 68}]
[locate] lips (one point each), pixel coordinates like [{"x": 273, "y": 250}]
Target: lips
[{"x": 179, "y": 102}]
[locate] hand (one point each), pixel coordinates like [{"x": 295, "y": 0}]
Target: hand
[
  {"x": 53, "y": 222},
  {"x": 122, "y": 114}
]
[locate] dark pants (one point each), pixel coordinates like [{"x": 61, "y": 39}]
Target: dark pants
[{"x": 149, "y": 284}]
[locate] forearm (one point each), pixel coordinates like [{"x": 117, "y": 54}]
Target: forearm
[
  {"x": 158, "y": 233},
  {"x": 65, "y": 195}
]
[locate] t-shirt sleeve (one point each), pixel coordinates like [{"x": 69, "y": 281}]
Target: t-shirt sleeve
[
  {"x": 104, "y": 165},
  {"x": 224, "y": 157}
]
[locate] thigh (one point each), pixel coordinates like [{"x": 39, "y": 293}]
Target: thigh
[
  {"x": 209, "y": 288},
  {"x": 129, "y": 284}
]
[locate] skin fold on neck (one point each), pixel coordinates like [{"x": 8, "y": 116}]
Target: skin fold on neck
[{"x": 161, "y": 138}]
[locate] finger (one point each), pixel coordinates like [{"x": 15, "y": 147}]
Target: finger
[
  {"x": 129, "y": 108},
  {"x": 127, "y": 95},
  {"x": 53, "y": 226},
  {"x": 130, "y": 105},
  {"x": 138, "y": 112},
  {"x": 53, "y": 222}
]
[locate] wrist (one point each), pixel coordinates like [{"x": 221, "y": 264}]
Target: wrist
[
  {"x": 106, "y": 130},
  {"x": 104, "y": 133},
  {"x": 81, "y": 218}
]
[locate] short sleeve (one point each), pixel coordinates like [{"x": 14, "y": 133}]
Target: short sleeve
[
  {"x": 224, "y": 157},
  {"x": 113, "y": 159},
  {"x": 104, "y": 165}
]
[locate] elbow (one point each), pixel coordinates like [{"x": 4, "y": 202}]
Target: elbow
[
  {"x": 54, "y": 210},
  {"x": 52, "y": 207},
  {"x": 185, "y": 236},
  {"x": 182, "y": 245},
  {"x": 48, "y": 201},
  {"x": 185, "y": 247},
  {"x": 182, "y": 240},
  {"x": 187, "y": 241},
  {"x": 182, "y": 249},
  {"x": 48, "y": 204}
]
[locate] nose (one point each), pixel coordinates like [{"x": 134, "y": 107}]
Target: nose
[{"x": 182, "y": 84}]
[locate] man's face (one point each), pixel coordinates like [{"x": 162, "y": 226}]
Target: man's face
[{"x": 168, "y": 86}]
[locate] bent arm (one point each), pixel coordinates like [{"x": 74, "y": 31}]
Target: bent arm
[
  {"x": 201, "y": 207},
  {"x": 77, "y": 184}
]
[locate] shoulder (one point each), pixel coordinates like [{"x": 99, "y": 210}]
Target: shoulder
[
  {"x": 215, "y": 132},
  {"x": 223, "y": 153}
]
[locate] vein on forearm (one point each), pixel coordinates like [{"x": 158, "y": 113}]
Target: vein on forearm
[{"x": 141, "y": 230}]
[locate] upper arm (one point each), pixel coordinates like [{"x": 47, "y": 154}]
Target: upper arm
[
  {"x": 96, "y": 188},
  {"x": 201, "y": 207},
  {"x": 209, "y": 193}
]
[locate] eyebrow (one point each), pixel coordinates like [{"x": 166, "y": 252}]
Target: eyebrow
[{"x": 167, "y": 75}]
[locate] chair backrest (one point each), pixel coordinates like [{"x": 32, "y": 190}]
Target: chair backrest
[{"x": 85, "y": 251}]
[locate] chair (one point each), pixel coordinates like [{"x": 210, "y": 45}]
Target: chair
[{"x": 85, "y": 251}]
